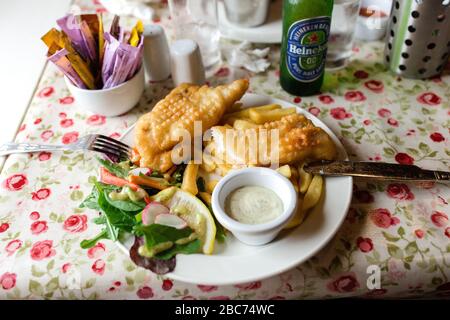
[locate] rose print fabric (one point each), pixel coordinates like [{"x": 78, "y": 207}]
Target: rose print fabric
[{"x": 402, "y": 228}]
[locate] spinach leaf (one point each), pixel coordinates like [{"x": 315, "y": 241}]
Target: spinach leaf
[
  {"x": 89, "y": 243},
  {"x": 100, "y": 220},
  {"x": 157, "y": 233},
  {"x": 113, "y": 232},
  {"x": 108, "y": 187},
  {"x": 124, "y": 205},
  {"x": 117, "y": 169},
  {"x": 115, "y": 217},
  {"x": 91, "y": 200},
  {"x": 187, "y": 248}
]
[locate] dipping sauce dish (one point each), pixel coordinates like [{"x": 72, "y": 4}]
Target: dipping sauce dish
[{"x": 254, "y": 233}]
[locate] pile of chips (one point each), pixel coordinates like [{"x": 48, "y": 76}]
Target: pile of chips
[{"x": 92, "y": 58}]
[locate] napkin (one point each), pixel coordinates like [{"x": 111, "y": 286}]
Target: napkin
[{"x": 253, "y": 59}]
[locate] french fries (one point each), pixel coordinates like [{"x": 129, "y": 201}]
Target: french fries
[
  {"x": 312, "y": 196},
  {"x": 189, "y": 183},
  {"x": 245, "y": 113},
  {"x": 208, "y": 163},
  {"x": 305, "y": 179},
  {"x": 266, "y": 107},
  {"x": 263, "y": 116},
  {"x": 241, "y": 124},
  {"x": 210, "y": 185},
  {"x": 307, "y": 201},
  {"x": 294, "y": 177},
  {"x": 299, "y": 216},
  {"x": 205, "y": 196},
  {"x": 285, "y": 171}
]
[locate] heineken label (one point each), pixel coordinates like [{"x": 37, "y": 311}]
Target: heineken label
[{"x": 307, "y": 48}]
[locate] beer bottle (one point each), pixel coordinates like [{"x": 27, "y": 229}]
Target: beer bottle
[{"x": 306, "y": 26}]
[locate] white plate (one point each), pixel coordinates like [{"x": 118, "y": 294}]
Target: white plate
[
  {"x": 269, "y": 32},
  {"x": 234, "y": 262}
]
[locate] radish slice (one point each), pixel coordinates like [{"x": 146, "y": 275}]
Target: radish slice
[
  {"x": 152, "y": 210},
  {"x": 170, "y": 220},
  {"x": 139, "y": 171}
]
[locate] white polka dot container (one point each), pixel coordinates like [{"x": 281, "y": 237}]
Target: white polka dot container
[{"x": 418, "y": 38}]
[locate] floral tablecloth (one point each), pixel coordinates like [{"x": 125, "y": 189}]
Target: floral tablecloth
[{"x": 402, "y": 228}]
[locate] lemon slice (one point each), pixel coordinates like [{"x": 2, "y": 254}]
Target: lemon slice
[{"x": 193, "y": 211}]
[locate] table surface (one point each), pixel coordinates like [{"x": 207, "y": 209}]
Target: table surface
[
  {"x": 22, "y": 62},
  {"x": 402, "y": 228}
]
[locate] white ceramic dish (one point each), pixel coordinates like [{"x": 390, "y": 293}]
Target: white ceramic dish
[
  {"x": 269, "y": 32},
  {"x": 234, "y": 262},
  {"x": 113, "y": 101},
  {"x": 256, "y": 234}
]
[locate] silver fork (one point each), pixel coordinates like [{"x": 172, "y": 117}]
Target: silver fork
[{"x": 93, "y": 142}]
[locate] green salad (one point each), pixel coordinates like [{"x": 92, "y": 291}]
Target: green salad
[{"x": 164, "y": 219}]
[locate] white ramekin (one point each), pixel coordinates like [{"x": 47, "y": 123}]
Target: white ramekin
[
  {"x": 112, "y": 101},
  {"x": 254, "y": 234}
]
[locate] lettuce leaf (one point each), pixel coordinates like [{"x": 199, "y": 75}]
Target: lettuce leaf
[
  {"x": 155, "y": 234},
  {"x": 124, "y": 205},
  {"x": 158, "y": 266},
  {"x": 188, "y": 248}
]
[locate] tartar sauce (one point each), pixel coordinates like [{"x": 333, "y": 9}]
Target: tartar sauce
[{"x": 253, "y": 205}]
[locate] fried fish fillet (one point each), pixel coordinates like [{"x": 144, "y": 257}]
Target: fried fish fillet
[
  {"x": 158, "y": 131},
  {"x": 298, "y": 140}
]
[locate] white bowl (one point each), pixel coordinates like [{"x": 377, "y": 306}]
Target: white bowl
[
  {"x": 254, "y": 234},
  {"x": 112, "y": 101}
]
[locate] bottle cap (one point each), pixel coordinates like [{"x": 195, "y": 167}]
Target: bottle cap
[
  {"x": 156, "y": 53},
  {"x": 187, "y": 65}
]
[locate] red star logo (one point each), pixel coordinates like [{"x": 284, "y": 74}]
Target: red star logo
[{"x": 313, "y": 38}]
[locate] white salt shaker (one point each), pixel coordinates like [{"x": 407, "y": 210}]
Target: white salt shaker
[
  {"x": 186, "y": 62},
  {"x": 156, "y": 53}
]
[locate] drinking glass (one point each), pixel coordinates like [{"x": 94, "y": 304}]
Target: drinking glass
[
  {"x": 248, "y": 13},
  {"x": 340, "y": 40},
  {"x": 197, "y": 20}
]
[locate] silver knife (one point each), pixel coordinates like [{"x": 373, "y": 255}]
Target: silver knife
[{"x": 377, "y": 170}]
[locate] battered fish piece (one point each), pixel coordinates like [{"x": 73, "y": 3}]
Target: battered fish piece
[
  {"x": 158, "y": 131},
  {"x": 298, "y": 140}
]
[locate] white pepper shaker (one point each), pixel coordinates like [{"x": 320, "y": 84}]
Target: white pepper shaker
[
  {"x": 186, "y": 62},
  {"x": 156, "y": 53}
]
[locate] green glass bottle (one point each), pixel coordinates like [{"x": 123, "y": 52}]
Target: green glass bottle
[{"x": 306, "y": 26}]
